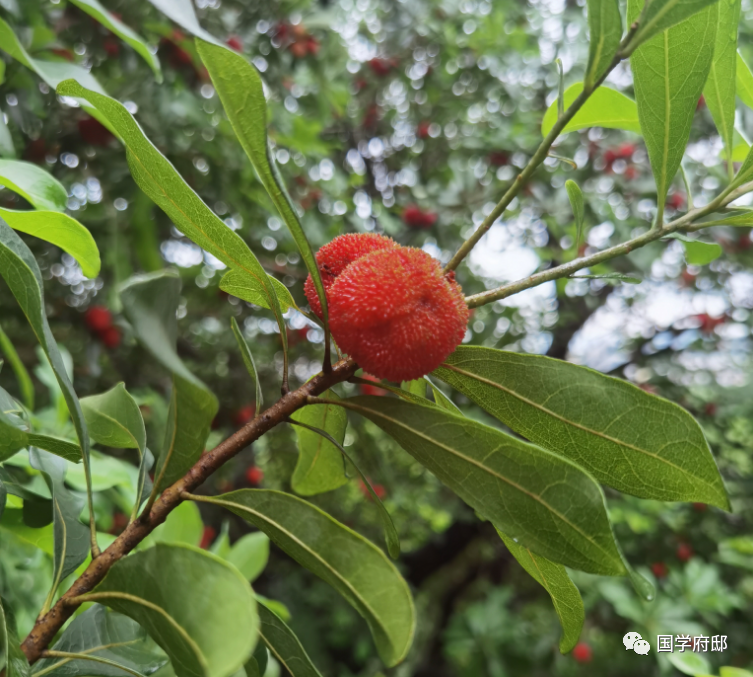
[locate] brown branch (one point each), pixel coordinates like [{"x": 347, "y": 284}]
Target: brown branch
[{"x": 47, "y": 626}]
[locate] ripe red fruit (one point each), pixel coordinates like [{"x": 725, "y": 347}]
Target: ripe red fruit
[
  {"x": 298, "y": 49},
  {"x": 582, "y": 653},
  {"x": 254, "y": 475},
  {"x": 710, "y": 409},
  {"x": 234, "y": 42},
  {"x": 631, "y": 172},
  {"x": 688, "y": 278},
  {"x": 625, "y": 150},
  {"x": 93, "y": 132},
  {"x": 498, "y": 158},
  {"x": 119, "y": 522},
  {"x": 111, "y": 47},
  {"x": 379, "y": 490},
  {"x": 422, "y": 130},
  {"x": 684, "y": 552},
  {"x": 676, "y": 201},
  {"x": 207, "y": 536},
  {"x": 312, "y": 45},
  {"x": 396, "y": 314},
  {"x": 380, "y": 67},
  {"x": 744, "y": 242},
  {"x": 335, "y": 256},
  {"x": 110, "y": 337},
  {"x": 98, "y": 318},
  {"x": 708, "y": 323},
  {"x": 659, "y": 569},
  {"x": 372, "y": 390},
  {"x": 415, "y": 217},
  {"x": 700, "y": 507},
  {"x": 244, "y": 414}
]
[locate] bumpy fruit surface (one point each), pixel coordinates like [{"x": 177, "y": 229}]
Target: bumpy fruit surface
[
  {"x": 337, "y": 255},
  {"x": 396, "y": 314}
]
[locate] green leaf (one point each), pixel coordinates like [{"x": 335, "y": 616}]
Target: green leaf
[
  {"x": 740, "y": 216},
  {"x": 183, "y": 14},
  {"x": 356, "y": 568},
  {"x": 633, "y": 441},
  {"x": 240, "y": 284},
  {"x": 114, "y": 419},
  {"x": 71, "y": 537},
  {"x": 94, "y": 9},
  {"x": 734, "y": 672},
  {"x": 161, "y": 182},
  {"x": 441, "y": 400},
  {"x": 719, "y": 91},
  {"x": 285, "y": 646},
  {"x": 575, "y": 195},
  {"x": 11, "y": 655},
  {"x": 669, "y": 72},
  {"x": 239, "y": 86},
  {"x": 248, "y": 360},
  {"x": 250, "y": 554},
  {"x": 25, "y": 386},
  {"x": 34, "y": 184},
  {"x": 744, "y": 81},
  {"x": 183, "y": 526},
  {"x": 697, "y": 253},
  {"x": 7, "y": 148},
  {"x": 545, "y": 501},
  {"x": 104, "y": 635},
  {"x": 606, "y": 107},
  {"x": 20, "y": 270},
  {"x": 195, "y": 606},
  {"x": 662, "y": 14},
  {"x": 320, "y": 465},
  {"x": 3, "y": 500},
  {"x": 62, "y": 231},
  {"x": 150, "y": 302},
  {"x": 605, "y": 26},
  {"x": 555, "y": 580},
  {"x": 689, "y": 663}
]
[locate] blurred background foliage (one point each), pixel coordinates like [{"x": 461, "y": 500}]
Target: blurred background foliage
[{"x": 407, "y": 118}]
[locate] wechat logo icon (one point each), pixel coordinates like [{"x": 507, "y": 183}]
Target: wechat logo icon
[{"x": 633, "y": 641}]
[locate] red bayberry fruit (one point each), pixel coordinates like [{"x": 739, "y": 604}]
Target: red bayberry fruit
[
  {"x": 422, "y": 131},
  {"x": 700, "y": 507},
  {"x": 582, "y": 653},
  {"x": 93, "y": 132},
  {"x": 688, "y": 278},
  {"x": 710, "y": 409},
  {"x": 111, "y": 47},
  {"x": 625, "y": 150},
  {"x": 36, "y": 151},
  {"x": 334, "y": 257},
  {"x": 254, "y": 475},
  {"x": 298, "y": 49},
  {"x": 380, "y": 67},
  {"x": 312, "y": 45},
  {"x": 379, "y": 490},
  {"x": 234, "y": 42},
  {"x": 708, "y": 323},
  {"x": 396, "y": 314},
  {"x": 659, "y": 569},
  {"x": 744, "y": 242},
  {"x": 676, "y": 201},
  {"x": 415, "y": 217},
  {"x": 684, "y": 552},
  {"x": 244, "y": 414},
  {"x": 631, "y": 172},
  {"x": 207, "y": 536},
  {"x": 119, "y": 522},
  {"x": 498, "y": 158},
  {"x": 371, "y": 390},
  {"x": 110, "y": 337},
  {"x": 98, "y": 318}
]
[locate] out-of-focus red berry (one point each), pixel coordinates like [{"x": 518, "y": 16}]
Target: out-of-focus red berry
[
  {"x": 422, "y": 130},
  {"x": 676, "y": 201},
  {"x": 700, "y": 507},
  {"x": 36, "y": 151},
  {"x": 93, "y": 132},
  {"x": 498, "y": 158},
  {"x": 688, "y": 278},
  {"x": 254, "y": 475},
  {"x": 659, "y": 569},
  {"x": 625, "y": 150},
  {"x": 371, "y": 117},
  {"x": 371, "y": 390},
  {"x": 744, "y": 241},
  {"x": 701, "y": 103},
  {"x": 110, "y": 337},
  {"x": 631, "y": 172},
  {"x": 111, "y": 47},
  {"x": 119, "y": 522},
  {"x": 98, "y": 318},
  {"x": 360, "y": 83},
  {"x": 244, "y": 414},
  {"x": 298, "y": 49},
  {"x": 684, "y": 552},
  {"x": 708, "y": 323},
  {"x": 207, "y": 537},
  {"x": 379, "y": 490},
  {"x": 380, "y": 67},
  {"x": 312, "y": 45},
  {"x": 415, "y": 217},
  {"x": 710, "y": 409},
  {"x": 582, "y": 653},
  {"x": 63, "y": 53},
  {"x": 234, "y": 42}
]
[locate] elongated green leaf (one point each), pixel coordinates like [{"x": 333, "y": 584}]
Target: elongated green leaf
[
  {"x": 575, "y": 195},
  {"x": 237, "y": 283},
  {"x": 3, "y": 500},
  {"x": 440, "y": 399},
  {"x": 548, "y": 503},
  {"x": 555, "y": 580},
  {"x": 662, "y": 14},
  {"x": 739, "y": 217},
  {"x": 183, "y": 14},
  {"x": 150, "y": 302},
  {"x": 669, "y": 72},
  {"x": 744, "y": 80},
  {"x": 94, "y": 9},
  {"x": 7, "y": 149},
  {"x": 320, "y": 465},
  {"x": 356, "y": 568},
  {"x": 248, "y": 360},
  {"x": 250, "y": 554},
  {"x": 194, "y": 605},
  {"x": 106, "y": 635},
  {"x": 11, "y": 656},
  {"x": 71, "y": 537},
  {"x": 114, "y": 419},
  {"x": 606, "y": 107},
  {"x": 719, "y": 91},
  {"x": 605, "y": 25},
  {"x": 22, "y": 375},
  {"x": 21, "y": 272},
  {"x": 161, "y": 182},
  {"x": 239, "y": 86},
  {"x": 633, "y": 441},
  {"x": 62, "y": 231},
  {"x": 698, "y": 253},
  {"x": 284, "y": 645},
  {"x": 34, "y": 184}
]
